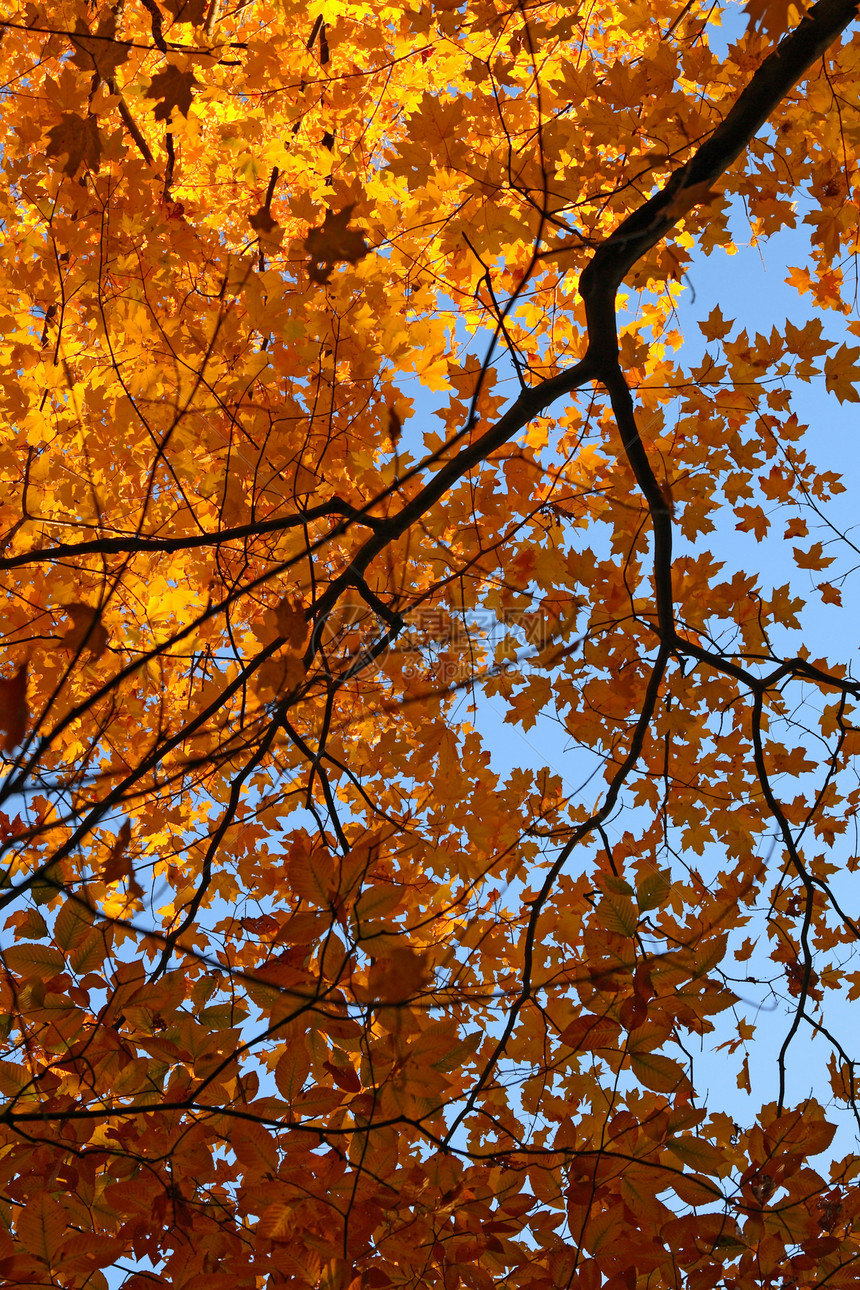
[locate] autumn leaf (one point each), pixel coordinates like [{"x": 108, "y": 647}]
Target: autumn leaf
[
  {"x": 618, "y": 913},
  {"x": 40, "y": 961},
  {"x": 277, "y": 1221},
  {"x": 254, "y": 1147},
  {"x": 75, "y": 141},
  {"x": 118, "y": 867},
  {"x": 101, "y": 53},
  {"x": 173, "y": 88},
  {"x": 654, "y": 889},
  {"x": 281, "y": 674},
  {"x": 591, "y": 1032},
  {"x": 41, "y": 1229},
  {"x": 291, "y": 622},
  {"x": 293, "y": 1069},
  {"x": 435, "y": 972},
  {"x": 690, "y": 195},
  {"x": 842, "y": 374},
  {"x": 774, "y": 16},
  {"x": 87, "y": 632},
  {"x": 193, "y": 11},
  {"x": 658, "y": 1072},
  {"x": 14, "y": 713},
  {"x": 395, "y": 425},
  {"x": 334, "y": 242},
  {"x": 715, "y": 326},
  {"x": 813, "y": 558},
  {"x": 401, "y": 974},
  {"x": 72, "y": 924},
  {"x": 269, "y": 231}
]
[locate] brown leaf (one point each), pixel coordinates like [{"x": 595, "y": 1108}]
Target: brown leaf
[
  {"x": 267, "y": 229},
  {"x": 399, "y": 976},
  {"x": 691, "y": 195},
  {"x": 591, "y": 1032},
  {"x": 77, "y": 139},
  {"x": 87, "y": 632},
  {"x": 173, "y": 88},
  {"x": 13, "y": 709},
  {"x": 261, "y": 221},
  {"x": 395, "y": 425},
  {"x": 118, "y": 867},
  {"x": 291, "y": 621},
  {"x": 193, "y": 11},
  {"x": 332, "y": 243},
  {"x": 633, "y": 1012},
  {"x": 99, "y": 53},
  {"x": 774, "y": 16},
  {"x": 281, "y": 674}
]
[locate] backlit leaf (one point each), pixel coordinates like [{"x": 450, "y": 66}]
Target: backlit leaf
[
  {"x": 75, "y": 142},
  {"x": 332, "y": 243}
]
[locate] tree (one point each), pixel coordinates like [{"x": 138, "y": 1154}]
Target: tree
[{"x": 342, "y": 388}]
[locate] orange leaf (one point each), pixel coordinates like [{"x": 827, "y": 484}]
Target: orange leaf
[
  {"x": 293, "y": 1069},
  {"x": 591, "y": 1032},
  {"x": 658, "y": 1072},
  {"x": 41, "y": 1229},
  {"x": 277, "y": 1221},
  {"x": 254, "y": 1146},
  {"x": 399, "y": 976},
  {"x": 774, "y": 16},
  {"x": 72, "y": 925}
]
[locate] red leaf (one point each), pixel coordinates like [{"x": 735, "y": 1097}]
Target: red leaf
[{"x": 13, "y": 709}]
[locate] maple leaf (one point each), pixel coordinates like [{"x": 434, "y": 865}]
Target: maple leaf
[
  {"x": 281, "y": 674},
  {"x": 100, "y": 53},
  {"x": 261, "y": 221},
  {"x": 715, "y": 326},
  {"x": 403, "y": 973},
  {"x": 75, "y": 138},
  {"x": 348, "y": 920},
  {"x": 87, "y": 632},
  {"x": 269, "y": 231},
  {"x": 842, "y": 374},
  {"x": 690, "y": 195},
  {"x": 193, "y": 11},
  {"x": 395, "y": 425},
  {"x": 774, "y": 16},
  {"x": 334, "y": 242},
  {"x": 174, "y": 90},
  {"x": 814, "y": 558},
  {"x": 118, "y": 866},
  {"x": 14, "y": 712}
]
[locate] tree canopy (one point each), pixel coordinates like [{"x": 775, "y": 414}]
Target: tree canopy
[{"x": 343, "y": 391}]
